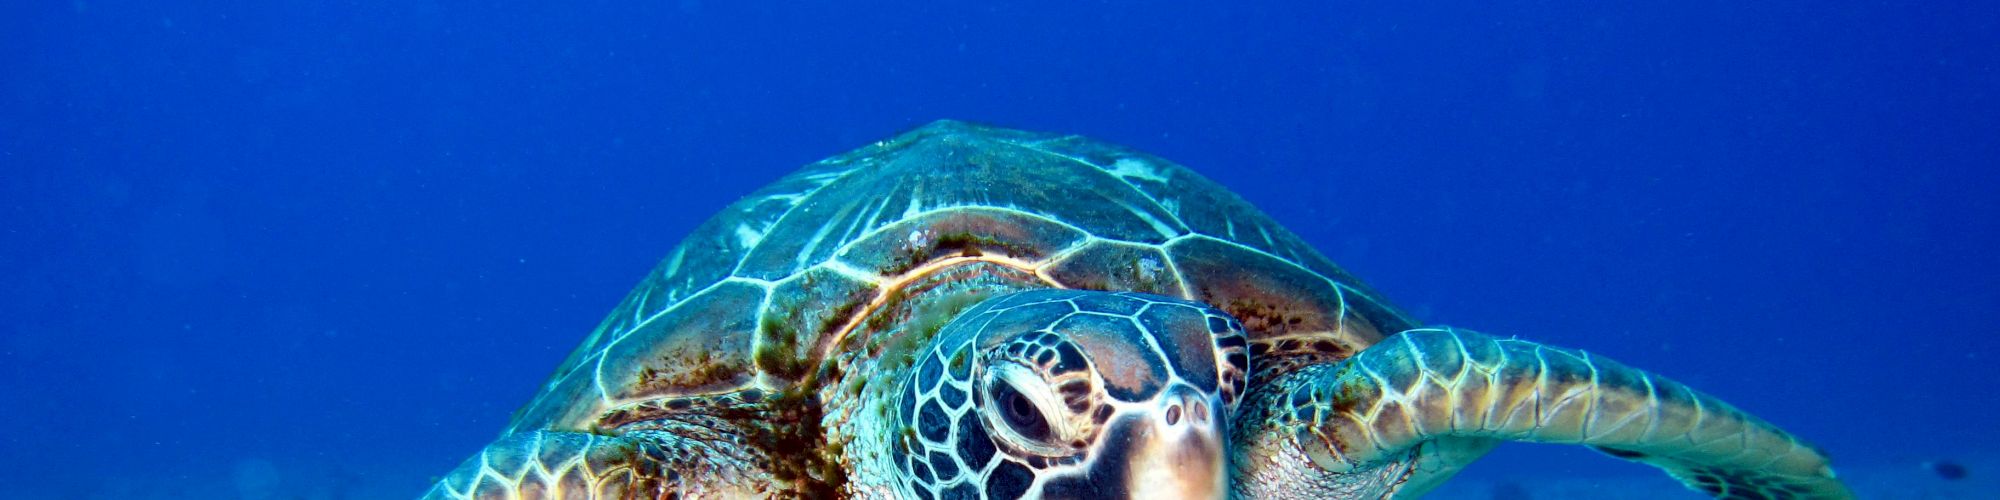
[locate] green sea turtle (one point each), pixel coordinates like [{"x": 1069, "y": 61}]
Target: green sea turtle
[{"x": 974, "y": 312}]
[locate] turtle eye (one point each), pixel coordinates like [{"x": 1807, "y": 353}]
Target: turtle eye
[{"x": 1020, "y": 413}]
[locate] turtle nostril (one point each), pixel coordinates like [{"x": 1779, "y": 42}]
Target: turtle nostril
[
  {"x": 1200, "y": 410},
  {"x": 1173, "y": 414}
]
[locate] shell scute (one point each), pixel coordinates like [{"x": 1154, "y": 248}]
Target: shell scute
[
  {"x": 896, "y": 248},
  {"x": 1200, "y": 205},
  {"x": 1275, "y": 297},
  {"x": 992, "y": 170},
  {"x": 1111, "y": 265},
  {"x": 701, "y": 345},
  {"x": 802, "y": 312},
  {"x": 934, "y": 168},
  {"x": 698, "y": 346}
]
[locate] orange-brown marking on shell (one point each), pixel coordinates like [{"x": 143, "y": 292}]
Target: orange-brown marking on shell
[
  {"x": 1273, "y": 357},
  {"x": 784, "y": 326},
  {"x": 1272, "y": 297},
  {"x": 891, "y": 285},
  {"x": 1286, "y": 332},
  {"x": 954, "y": 240},
  {"x": 635, "y": 415},
  {"x": 686, "y": 369},
  {"x": 1276, "y": 321},
  {"x": 966, "y": 234}
]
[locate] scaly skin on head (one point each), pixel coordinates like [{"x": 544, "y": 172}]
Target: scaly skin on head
[{"x": 1059, "y": 393}]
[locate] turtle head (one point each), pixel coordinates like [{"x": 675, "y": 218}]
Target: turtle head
[{"x": 1065, "y": 393}]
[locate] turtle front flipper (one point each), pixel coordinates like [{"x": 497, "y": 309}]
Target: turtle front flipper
[
  {"x": 1403, "y": 415},
  {"x": 641, "y": 464}
]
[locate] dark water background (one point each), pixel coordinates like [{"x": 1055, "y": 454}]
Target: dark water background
[{"x": 342, "y": 242}]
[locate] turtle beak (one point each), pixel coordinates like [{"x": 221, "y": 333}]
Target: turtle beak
[{"x": 1178, "y": 451}]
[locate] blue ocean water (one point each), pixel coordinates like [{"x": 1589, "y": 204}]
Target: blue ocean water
[{"x": 327, "y": 247}]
